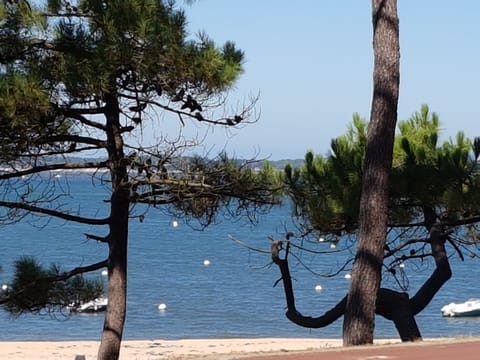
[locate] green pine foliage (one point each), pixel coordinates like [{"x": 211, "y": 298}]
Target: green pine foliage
[
  {"x": 27, "y": 117},
  {"x": 425, "y": 174},
  {"x": 61, "y": 54},
  {"x": 80, "y": 77},
  {"x": 326, "y": 190},
  {"x": 34, "y": 289}
]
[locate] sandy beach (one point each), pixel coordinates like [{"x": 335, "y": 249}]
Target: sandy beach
[
  {"x": 206, "y": 349},
  {"x": 466, "y": 348}
]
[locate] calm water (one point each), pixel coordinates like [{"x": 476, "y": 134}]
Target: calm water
[{"x": 232, "y": 297}]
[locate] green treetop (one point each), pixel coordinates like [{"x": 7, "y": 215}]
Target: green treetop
[
  {"x": 433, "y": 212},
  {"x": 83, "y": 77},
  {"x": 424, "y": 175}
]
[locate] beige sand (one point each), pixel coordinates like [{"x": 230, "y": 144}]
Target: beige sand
[
  {"x": 218, "y": 349},
  {"x": 204, "y": 349}
]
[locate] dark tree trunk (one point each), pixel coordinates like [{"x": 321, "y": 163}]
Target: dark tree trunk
[
  {"x": 395, "y": 306},
  {"x": 439, "y": 277},
  {"x": 358, "y": 324},
  {"x": 118, "y": 239}
]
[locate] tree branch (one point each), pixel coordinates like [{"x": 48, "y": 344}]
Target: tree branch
[
  {"x": 77, "y": 115},
  {"x": 404, "y": 244},
  {"x": 62, "y": 277},
  {"x": 75, "y": 139},
  {"x": 439, "y": 277},
  {"x": 52, "y": 167},
  {"x": 103, "y": 239},
  {"x": 292, "y": 313},
  {"x": 54, "y": 213}
]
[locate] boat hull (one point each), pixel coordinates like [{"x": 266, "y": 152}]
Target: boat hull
[{"x": 466, "y": 309}]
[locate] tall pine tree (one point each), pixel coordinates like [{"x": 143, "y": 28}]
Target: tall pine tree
[{"x": 85, "y": 76}]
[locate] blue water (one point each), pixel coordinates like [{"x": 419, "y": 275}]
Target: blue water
[{"x": 232, "y": 297}]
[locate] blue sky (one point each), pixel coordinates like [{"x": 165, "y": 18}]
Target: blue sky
[{"x": 312, "y": 63}]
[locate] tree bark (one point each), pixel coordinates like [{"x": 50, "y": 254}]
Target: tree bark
[
  {"x": 118, "y": 240},
  {"x": 358, "y": 323},
  {"x": 395, "y": 306}
]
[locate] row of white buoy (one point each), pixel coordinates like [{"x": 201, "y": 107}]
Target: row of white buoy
[
  {"x": 206, "y": 262},
  {"x": 319, "y": 288},
  {"x": 162, "y": 307},
  {"x": 332, "y": 245}
]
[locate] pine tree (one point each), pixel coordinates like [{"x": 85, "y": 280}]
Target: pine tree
[
  {"x": 432, "y": 212},
  {"x": 84, "y": 77}
]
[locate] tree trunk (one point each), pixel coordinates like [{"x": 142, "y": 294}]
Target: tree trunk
[
  {"x": 395, "y": 306},
  {"x": 118, "y": 239},
  {"x": 358, "y": 324}
]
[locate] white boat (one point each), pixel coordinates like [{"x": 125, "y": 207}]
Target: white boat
[
  {"x": 470, "y": 307},
  {"x": 96, "y": 305}
]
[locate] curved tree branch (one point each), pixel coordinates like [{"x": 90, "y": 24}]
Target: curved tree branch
[
  {"x": 404, "y": 244},
  {"x": 103, "y": 239},
  {"x": 440, "y": 276},
  {"x": 74, "y": 138},
  {"x": 292, "y": 313},
  {"x": 51, "y": 167},
  {"x": 392, "y": 305},
  {"x": 77, "y": 115},
  {"x": 61, "y": 277},
  {"x": 54, "y": 213}
]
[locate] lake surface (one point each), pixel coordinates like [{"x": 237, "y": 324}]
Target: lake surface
[{"x": 233, "y": 296}]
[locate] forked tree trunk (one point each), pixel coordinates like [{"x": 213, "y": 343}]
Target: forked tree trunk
[
  {"x": 358, "y": 323},
  {"x": 440, "y": 276},
  {"x": 118, "y": 240},
  {"x": 396, "y": 306},
  {"x": 393, "y": 305}
]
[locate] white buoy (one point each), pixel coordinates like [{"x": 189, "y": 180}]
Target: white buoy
[
  {"x": 348, "y": 276},
  {"x": 318, "y": 288},
  {"x": 162, "y": 307},
  {"x": 321, "y": 240},
  {"x": 4, "y": 287},
  {"x": 105, "y": 273},
  {"x": 206, "y": 262},
  {"x": 174, "y": 223},
  {"x": 402, "y": 265},
  {"x": 333, "y": 246}
]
